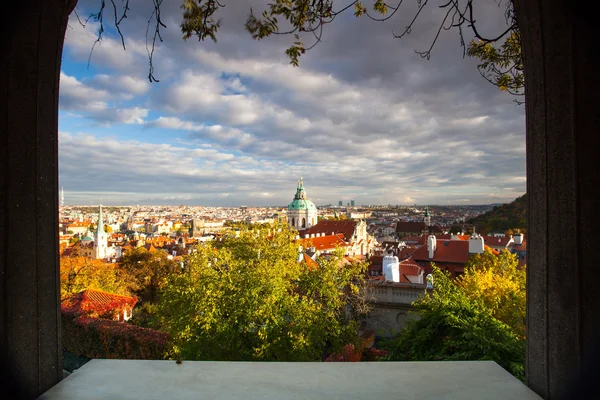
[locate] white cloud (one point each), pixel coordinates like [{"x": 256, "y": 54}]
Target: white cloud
[{"x": 362, "y": 114}]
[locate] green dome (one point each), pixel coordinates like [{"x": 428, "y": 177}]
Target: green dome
[{"x": 301, "y": 202}]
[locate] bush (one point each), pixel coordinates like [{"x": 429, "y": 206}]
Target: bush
[{"x": 102, "y": 338}]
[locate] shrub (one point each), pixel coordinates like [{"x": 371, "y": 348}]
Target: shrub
[{"x": 103, "y": 338}]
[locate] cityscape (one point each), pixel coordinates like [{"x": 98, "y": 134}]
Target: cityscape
[
  {"x": 245, "y": 209},
  {"x": 298, "y": 199}
]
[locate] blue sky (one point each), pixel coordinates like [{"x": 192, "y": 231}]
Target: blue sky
[{"x": 232, "y": 123}]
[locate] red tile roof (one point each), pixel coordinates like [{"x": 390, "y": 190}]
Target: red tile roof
[
  {"x": 412, "y": 227},
  {"x": 496, "y": 241},
  {"x": 520, "y": 247},
  {"x": 331, "y": 226},
  {"x": 420, "y": 240},
  {"x": 376, "y": 263},
  {"x": 406, "y": 252},
  {"x": 312, "y": 264},
  {"x": 409, "y": 267},
  {"x": 448, "y": 251},
  {"x": 324, "y": 243},
  {"x": 92, "y": 301}
]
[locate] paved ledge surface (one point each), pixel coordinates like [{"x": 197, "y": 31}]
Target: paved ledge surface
[{"x": 141, "y": 379}]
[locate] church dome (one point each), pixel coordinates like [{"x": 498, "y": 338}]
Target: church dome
[{"x": 301, "y": 202}]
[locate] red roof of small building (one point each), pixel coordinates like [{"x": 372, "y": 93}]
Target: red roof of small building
[
  {"x": 324, "y": 243},
  {"x": 92, "y": 301},
  {"x": 332, "y": 226},
  {"x": 420, "y": 240},
  {"x": 520, "y": 247},
  {"x": 409, "y": 267},
  {"x": 448, "y": 251},
  {"x": 497, "y": 241},
  {"x": 410, "y": 226},
  {"x": 310, "y": 262}
]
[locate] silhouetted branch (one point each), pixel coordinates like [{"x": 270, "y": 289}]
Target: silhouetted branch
[{"x": 158, "y": 24}]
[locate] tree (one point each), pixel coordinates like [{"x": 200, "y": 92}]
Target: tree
[
  {"x": 501, "y": 66},
  {"x": 305, "y": 19},
  {"x": 145, "y": 270},
  {"x": 479, "y": 316},
  {"x": 250, "y": 299},
  {"x": 78, "y": 273}
]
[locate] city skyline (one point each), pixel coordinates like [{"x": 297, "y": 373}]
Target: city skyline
[{"x": 364, "y": 118}]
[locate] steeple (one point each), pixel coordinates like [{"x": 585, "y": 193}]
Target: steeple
[
  {"x": 100, "y": 227},
  {"x": 300, "y": 193},
  {"x": 101, "y": 238},
  {"x": 427, "y": 218}
]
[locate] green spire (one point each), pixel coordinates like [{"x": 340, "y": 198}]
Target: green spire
[
  {"x": 300, "y": 193},
  {"x": 427, "y": 211}
]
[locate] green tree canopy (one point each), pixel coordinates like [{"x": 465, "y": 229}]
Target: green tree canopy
[
  {"x": 479, "y": 316},
  {"x": 145, "y": 270},
  {"x": 250, "y": 299}
]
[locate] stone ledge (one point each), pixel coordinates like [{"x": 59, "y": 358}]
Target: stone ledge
[{"x": 142, "y": 379}]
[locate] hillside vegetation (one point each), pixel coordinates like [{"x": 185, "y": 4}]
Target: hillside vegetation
[{"x": 511, "y": 216}]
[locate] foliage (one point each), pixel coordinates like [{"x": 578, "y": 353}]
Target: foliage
[
  {"x": 499, "y": 285},
  {"x": 145, "y": 270},
  {"x": 502, "y": 66},
  {"x": 103, "y": 338},
  {"x": 145, "y": 315},
  {"x": 464, "y": 320},
  {"x": 507, "y": 216},
  {"x": 78, "y": 273},
  {"x": 250, "y": 299},
  {"x": 363, "y": 351},
  {"x": 455, "y": 229},
  {"x": 306, "y": 19}
]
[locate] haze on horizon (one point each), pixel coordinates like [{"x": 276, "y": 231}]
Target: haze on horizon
[{"x": 232, "y": 123}]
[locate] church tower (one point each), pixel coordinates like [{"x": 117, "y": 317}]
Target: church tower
[
  {"x": 302, "y": 213},
  {"x": 100, "y": 238},
  {"x": 427, "y": 218}
]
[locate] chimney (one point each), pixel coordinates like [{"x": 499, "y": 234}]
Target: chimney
[
  {"x": 306, "y": 236},
  {"x": 518, "y": 238},
  {"x": 312, "y": 235},
  {"x": 476, "y": 244},
  {"x": 391, "y": 269},
  {"x": 431, "y": 245},
  {"x": 297, "y": 237}
]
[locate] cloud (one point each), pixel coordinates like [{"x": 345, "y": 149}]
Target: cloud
[{"x": 363, "y": 117}]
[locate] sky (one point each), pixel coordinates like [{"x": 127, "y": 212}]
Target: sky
[{"x": 232, "y": 123}]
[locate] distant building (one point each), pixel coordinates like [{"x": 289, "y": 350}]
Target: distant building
[
  {"x": 415, "y": 228},
  {"x": 302, "y": 213},
  {"x": 100, "y": 239},
  {"x": 340, "y": 203},
  {"x": 449, "y": 255},
  {"x": 96, "y": 303},
  {"x": 351, "y": 203},
  {"x": 197, "y": 228},
  {"x": 354, "y": 234}
]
